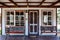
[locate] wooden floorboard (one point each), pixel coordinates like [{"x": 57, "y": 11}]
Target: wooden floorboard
[{"x": 29, "y": 38}]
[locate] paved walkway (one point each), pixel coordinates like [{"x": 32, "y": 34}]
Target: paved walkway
[{"x": 29, "y": 38}]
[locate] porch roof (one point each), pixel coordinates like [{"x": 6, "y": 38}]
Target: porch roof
[{"x": 30, "y": 3}]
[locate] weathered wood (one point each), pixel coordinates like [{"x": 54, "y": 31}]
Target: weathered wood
[
  {"x": 13, "y": 2},
  {"x": 55, "y": 3},
  {"x": 17, "y": 37}
]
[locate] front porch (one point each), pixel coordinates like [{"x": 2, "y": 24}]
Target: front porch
[
  {"x": 29, "y": 19},
  {"x": 17, "y": 37}
]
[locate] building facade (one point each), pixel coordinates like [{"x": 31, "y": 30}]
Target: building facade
[{"x": 29, "y": 21}]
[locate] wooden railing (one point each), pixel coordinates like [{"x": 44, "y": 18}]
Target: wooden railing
[
  {"x": 15, "y": 29},
  {"x": 48, "y": 29}
]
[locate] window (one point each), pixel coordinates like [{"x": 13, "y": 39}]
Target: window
[
  {"x": 19, "y": 18},
  {"x": 47, "y": 19},
  {"x": 16, "y": 19},
  {"x": 10, "y": 18}
]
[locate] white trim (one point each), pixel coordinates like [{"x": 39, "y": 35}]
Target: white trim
[
  {"x": 26, "y": 24},
  {"x": 48, "y": 34},
  {"x": 39, "y": 22},
  {"x": 14, "y": 19},
  {"x": 3, "y": 23},
  {"x": 15, "y": 34}
]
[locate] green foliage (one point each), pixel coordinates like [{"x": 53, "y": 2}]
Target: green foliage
[{"x": 0, "y": 32}]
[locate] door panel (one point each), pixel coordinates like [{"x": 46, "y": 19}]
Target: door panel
[
  {"x": 33, "y": 22},
  {"x": 30, "y": 17},
  {"x": 35, "y": 17},
  {"x": 31, "y": 28}
]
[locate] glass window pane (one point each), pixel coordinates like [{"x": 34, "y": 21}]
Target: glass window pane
[
  {"x": 17, "y": 13},
  {"x": 22, "y": 23},
  {"x": 49, "y": 13},
  {"x": 47, "y": 18},
  {"x": 8, "y": 22},
  {"x": 49, "y": 23},
  {"x": 35, "y": 28},
  {"x": 30, "y": 17},
  {"x": 21, "y": 13},
  {"x": 22, "y": 18},
  {"x": 8, "y": 18},
  {"x": 17, "y": 23},
  {"x": 44, "y": 13},
  {"x": 35, "y": 17},
  {"x": 8, "y": 13},
  {"x": 31, "y": 28}
]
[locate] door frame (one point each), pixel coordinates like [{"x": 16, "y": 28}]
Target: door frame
[{"x": 37, "y": 23}]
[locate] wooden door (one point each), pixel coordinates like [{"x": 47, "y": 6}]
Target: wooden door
[{"x": 33, "y": 22}]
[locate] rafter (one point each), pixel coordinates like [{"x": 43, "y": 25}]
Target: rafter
[
  {"x": 31, "y": 6},
  {"x": 3, "y": 4},
  {"x": 13, "y": 2},
  {"x": 55, "y": 3},
  {"x": 42, "y": 2},
  {"x": 27, "y": 3}
]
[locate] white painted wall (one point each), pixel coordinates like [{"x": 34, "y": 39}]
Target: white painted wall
[
  {"x": 26, "y": 24},
  {"x": 3, "y": 22}
]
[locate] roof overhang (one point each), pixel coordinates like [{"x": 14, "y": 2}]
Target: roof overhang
[{"x": 30, "y": 3}]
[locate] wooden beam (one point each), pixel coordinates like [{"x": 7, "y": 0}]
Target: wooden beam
[
  {"x": 13, "y": 2},
  {"x": 55, "y": 3},
  {"x": 41, "y": 2},
  {"x": 31, "y": 6},
  {"x": 27, "y": 3},
  {"x": 3, "y": 4}
]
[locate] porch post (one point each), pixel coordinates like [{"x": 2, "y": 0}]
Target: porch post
[
  {"x": 26, "y": 24},
  {"x": 40, "y": 22},
  {"x": 3, "y": 22}
]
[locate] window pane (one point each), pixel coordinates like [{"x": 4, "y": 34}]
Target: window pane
[
  {"x": 22, "y": 23},
  {"x": 35, "y": 17},
  {"x": 47, "y": 18},
  {"x": 8, "y": 13},
  {"x": 17, "y": 13},
  {"x": 30, "y": 17},
  {"x": 11, "y": 17},
  {"x": 31, "y": 28},
  {"x": 8, "y": 18},
  {"x": 17, "y": 17},
  {"x": 8, "y": 22},
  {"x": 17, "y": 23},
  {"x": 21, "y": 13},
  {"x": 44, "y": 13},
  {"x": 22, "y": 18},
  {"x": 49, "y": 13},
  {"x": 35, "y": 28},
  {"x": 49, "y": 23}
]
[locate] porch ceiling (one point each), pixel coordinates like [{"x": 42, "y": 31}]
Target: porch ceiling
[{"x": 30, "y": 3}]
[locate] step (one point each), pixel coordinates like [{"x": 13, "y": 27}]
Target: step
[{"x": 33, "y": 36}]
